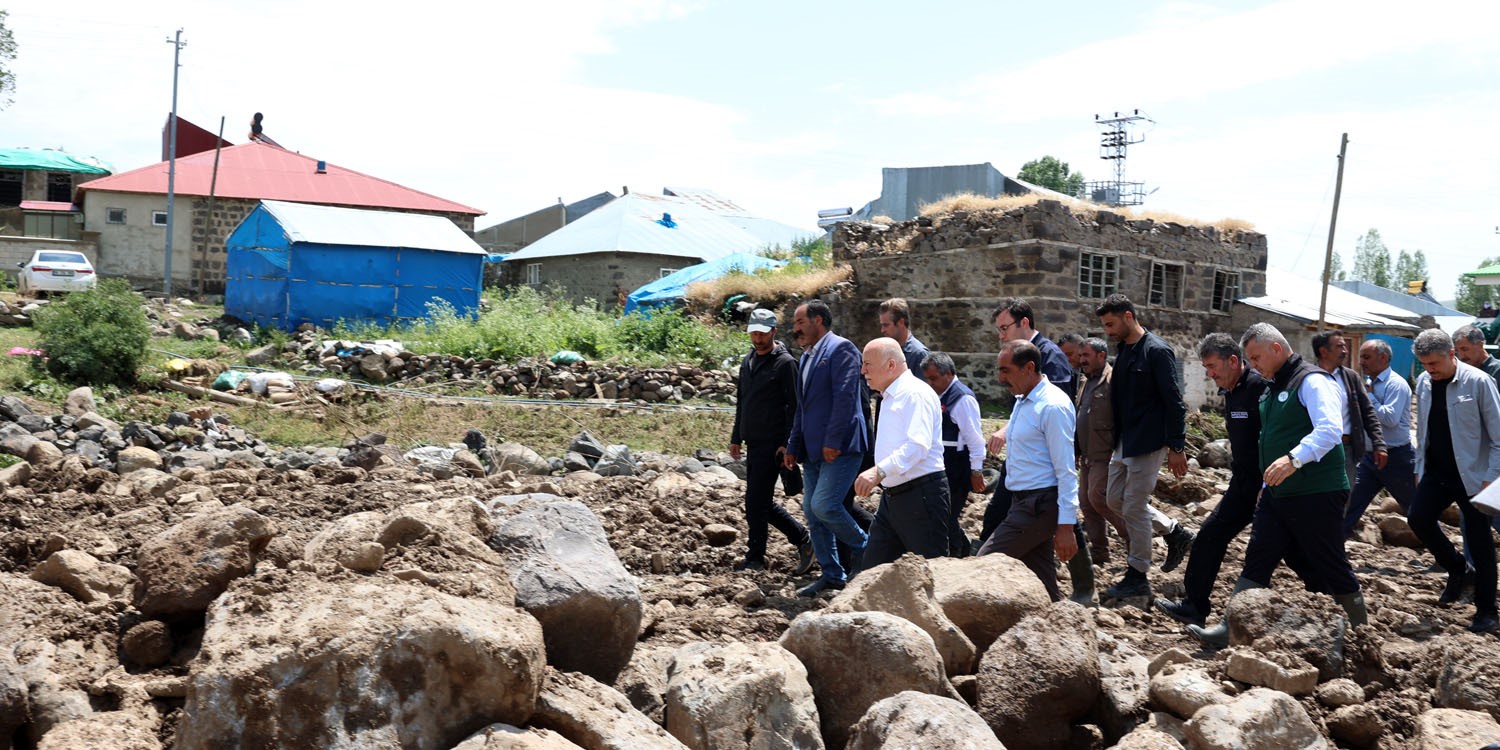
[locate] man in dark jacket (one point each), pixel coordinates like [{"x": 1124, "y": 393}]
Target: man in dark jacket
[
  {"x": 763, "y": 417},
  {"x": 1360, "y": 421}
]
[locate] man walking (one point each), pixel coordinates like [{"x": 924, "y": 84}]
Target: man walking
[
  {"x": 1360, "y": 423},
  {"x": 963, "y": 443},
  {"x": 1390, "y": 397},
  {"x": 763, "y": 416},
  {"x": 913, "y": 512},
  {"x": 1458, "y": 427},
  {"x": 1150, "y": 423},
  {"x": 829, "y": 439},
  {"x": 895, "y": 323},
  {"x": 1301, "y": 457},
  {"x": 1468, "y": 342},
  {"x": 1095, "y": 439},
  {"x": 1040, "y": 473}
]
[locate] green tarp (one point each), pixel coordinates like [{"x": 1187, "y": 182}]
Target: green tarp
[{"x": 49, "y": 160}]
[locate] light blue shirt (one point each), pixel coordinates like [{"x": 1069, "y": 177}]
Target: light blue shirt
[
  {"x": 1040, "y": 447},
  {"x": 1324, "y": 399},
  {"x": 1392, "y": 400}
]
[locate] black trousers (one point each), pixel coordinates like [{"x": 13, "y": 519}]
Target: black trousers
[
  {"x": 1027, "y": 534},
  {"x": 913, "y": 517},
  {"x": 998, "y": 509},
  {"x": 1434, "y": 495},
  {"x": 762, "y": 469},
  {"x": 956, "y": 466},
  {"x": 1303, "y": 528},
  {"x": 1235, "y": 511}
]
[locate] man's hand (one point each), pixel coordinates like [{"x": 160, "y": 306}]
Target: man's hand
[
  {"x": 866, "y": 482},
  {"x": 829, "y": 454},
  {"x": 1177, "y": 462},
  {"x": 976, "y": 481},
  {"x": 1278, "y": 471},
  {"x": 1381, "y": 456},
  {"x": 997, "y": 441},
  {"x": 788, "y": 460},
  {"x": 1064, "y": 543},
  {"x": 734, "y": 451}
]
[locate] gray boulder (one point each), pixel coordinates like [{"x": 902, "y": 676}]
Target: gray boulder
[
  {"x": 1267, "y": 621},
  {"x": 83, "y": 576},
  {"x": 904, "y": 588},
  {"x": 1058, "y": 652},
  {"x": 1256, "y": 718},
  {"x": 1454, "y": 729},
  {"x": 740, "y": 695},
  {"x": 595, "y": 716},
  {"x": 520, "y": 459},
  {"x": 911, "y": 720},
  {"x": 985, "y": 596},
  {"x": 181, "y": 570}
]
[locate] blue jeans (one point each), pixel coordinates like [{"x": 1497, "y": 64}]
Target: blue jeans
[
  {"x": 828, "y": 522},
  {"x": 1399, "y": 477}
]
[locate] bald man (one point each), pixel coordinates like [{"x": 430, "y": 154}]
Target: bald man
[{"x": 913, "y": 512}]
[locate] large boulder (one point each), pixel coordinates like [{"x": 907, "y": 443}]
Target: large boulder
[
  {"x": 595, "y": 716},
  {"x": 83, "y": 576},
  {"x": 1146, "y": 738},
  {"x": 910, "y": 720},
  {"x": 1041, "y": 676},
  {"x": 1468, "y": 673},
  {"x": 569, "y": 578},
  {"x": 740, "y": 695},
  {"x": 442, "y": 550},
  {"x": 343, "y": 539},
  {"x": 137, "y": 457},
  {"x": 904, "y": 588},
  {"x": 80, "y": 401},
  {"x": 1123, "y": 686},
  {"x": 644, "y": 680},
  {"x": 291, "y": 660},
  {"x": 507, "y": 737},
  {"x": 181, "y": 570},
  {"x": 1268, "y": 621},
  {"x": 855, "y": 659},
  {"x": 15, "y": 708},
  {"x": 1256, "y": 718},
  {"x": 1454, "y": 729},
  {"x": 520, "y": 459},
  {"x": 1184, "y": 689},
  {"x": 985, "y": 596},
  {"x": 117, "y": 730}
]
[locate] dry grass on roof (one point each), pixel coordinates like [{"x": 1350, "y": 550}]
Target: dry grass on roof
[
  {"x": 1083, "y": 209},
  {"x": 794, "y": 282}
]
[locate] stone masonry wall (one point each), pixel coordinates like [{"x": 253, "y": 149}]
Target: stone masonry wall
[{"x": 953, "y": 270}]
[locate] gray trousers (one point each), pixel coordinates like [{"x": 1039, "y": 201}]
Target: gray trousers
[
  {"x": 1027, "y": 534},
  {"x": 1131, "y": 481}
]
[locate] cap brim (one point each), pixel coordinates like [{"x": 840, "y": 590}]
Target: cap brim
[{"x": 756, "y": 328}]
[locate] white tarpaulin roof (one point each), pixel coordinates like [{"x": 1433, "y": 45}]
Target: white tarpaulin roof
[
  {"x": 329, "y": 225},
  {"x": 1297, "y": 297}
]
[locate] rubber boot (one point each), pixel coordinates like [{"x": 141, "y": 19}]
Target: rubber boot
[
  {"x": 1218, "y": 635},
  {"x": 1081, "y": 570},
  {"x": 1354, "y": 607}
]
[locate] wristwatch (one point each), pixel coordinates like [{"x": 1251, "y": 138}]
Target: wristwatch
[
  {"x": 879, "y": 475},
  {"x": 1295, "y": 463}
]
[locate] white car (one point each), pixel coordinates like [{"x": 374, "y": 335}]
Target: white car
[{"x": 55, "y": 271}]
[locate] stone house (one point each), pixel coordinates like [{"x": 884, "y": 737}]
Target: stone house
[
  {"x": 954, "y": 269},
  {"x": 128, "y": 211},
  {"x": 36, "y": 203}
]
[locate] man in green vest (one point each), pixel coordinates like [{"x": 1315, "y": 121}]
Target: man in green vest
[{"x": 1301, "y": 510}]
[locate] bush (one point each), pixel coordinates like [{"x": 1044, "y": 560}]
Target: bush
[{"x": 95, "y": 337}]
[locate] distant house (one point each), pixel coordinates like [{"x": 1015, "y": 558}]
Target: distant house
[
  {"x": 510, "y": 236},
  {"x": 904, "y": 190},
  {"x": 36, "y": 203},
  {"x": 637, "y": 238},
  {"x": 1291, "y": 304},
  {"x": 293, "y": 263},
  {"x": 129, "y": 210}
]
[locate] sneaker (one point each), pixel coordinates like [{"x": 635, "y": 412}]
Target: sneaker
[
  {"x": 1179, "y": 541},
  {"x": 751, "y": 563},
  {"x": 1454, "y": 589},
  {"x": 1183, "y": 612},
  {"x": 819, "y": 586},
  {"x": 805, "y": 559},
  {"x": 1134, "y": 584},
  {"x": 1485, "y": 623}
]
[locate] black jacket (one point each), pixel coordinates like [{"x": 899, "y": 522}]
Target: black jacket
[
  {"x": 1242, "y": 422},
  {"x": 1149, "y": 411},
  {"x": 767, "y": 397}
]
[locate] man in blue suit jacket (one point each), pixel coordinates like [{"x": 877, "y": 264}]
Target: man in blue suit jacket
[{"x": 829, "y": 438}]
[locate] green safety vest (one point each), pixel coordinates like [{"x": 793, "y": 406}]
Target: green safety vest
[{"x": 1284, "y": 421}]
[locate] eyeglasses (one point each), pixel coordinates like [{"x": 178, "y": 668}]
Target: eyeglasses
[{"x": 1004, "y": 327}]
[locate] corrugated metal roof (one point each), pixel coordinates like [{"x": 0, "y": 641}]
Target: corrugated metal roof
[
  {"x": 630, "y": 224},
  {"x": 1420, "y": 305},
  {"x": 330, "y": 225},
  {"x": 260, "y": 171},
  {"x": 769, "y": 231},
  {"x": 1296, "y": 297},
  {"x": 47, "y": 206}
]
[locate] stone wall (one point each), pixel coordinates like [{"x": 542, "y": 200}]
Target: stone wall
[
  {"x": 603, "y": 278},
  {"x": 954, "y": 269},
  {"x": 16, "y": 250}
]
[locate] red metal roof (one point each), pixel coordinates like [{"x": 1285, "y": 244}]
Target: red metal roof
[
  {"x": 47, "y": 206},
  {"x": 256, "y": 170}
]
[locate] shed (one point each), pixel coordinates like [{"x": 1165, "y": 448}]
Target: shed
[
  {"x": 1291, "y": 304},
  {"x": 294, "y": 263}
]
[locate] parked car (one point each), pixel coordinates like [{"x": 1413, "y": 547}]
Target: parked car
[{"x": 55, "y": 271}]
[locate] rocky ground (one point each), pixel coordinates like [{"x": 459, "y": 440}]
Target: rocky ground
[{"x": 185, "y": 585}]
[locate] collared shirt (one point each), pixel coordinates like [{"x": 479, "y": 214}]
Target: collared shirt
[
  {"x": 1347, "y": 424},
  {"x": 1055, "y": 364},
  {"x": 809, "y": 355},
  {"x": 965, "y": 414},
  {"x": 1324, "y": 399},
  {"x": 1040, "y": 452},
  {"x": 1392, "y": 397},
  {"x": 909, "y": 443},
  {"x": 914, "y": 352}
]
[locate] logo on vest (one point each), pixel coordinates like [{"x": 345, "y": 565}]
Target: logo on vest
[{"x": 1282, "y": 396}]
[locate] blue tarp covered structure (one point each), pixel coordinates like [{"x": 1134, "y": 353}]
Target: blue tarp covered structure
[
  {"x": 293, "y": 263},
  {"x": 673, "y": 287}
]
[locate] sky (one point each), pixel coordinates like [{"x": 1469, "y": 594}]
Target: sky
[{"x": 793, "y": 107}]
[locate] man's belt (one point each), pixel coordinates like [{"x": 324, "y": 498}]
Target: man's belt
[{"x": 915, "y": 484}]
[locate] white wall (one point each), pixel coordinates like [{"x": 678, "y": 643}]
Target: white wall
[{"x": 136, "y": 249}]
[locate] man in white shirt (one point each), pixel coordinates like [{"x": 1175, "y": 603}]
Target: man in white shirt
[
  {"x": 1040, "y": 470},
  {"x": 913, "y": 512},
  {"x": 963, "y": 443}
]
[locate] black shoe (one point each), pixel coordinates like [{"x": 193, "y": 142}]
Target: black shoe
[
  {"x": 1184, "y": 612},
  {"x": 1134, "y": 584},
  {"x": 805, "y": 559},
  {"x": 1454, "y": 589},
  {"x": 819, "y": 586},
  {"x": 1179, "y": 541},
  {"x": 751, "y": 563},
  {"x": 1485, "y": 623}
]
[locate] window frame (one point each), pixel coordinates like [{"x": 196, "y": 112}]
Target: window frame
[
  {"x": 1154, "y": 293},
  {"x": 665, "y": 272},
  {"x": 109, "y": 216},
  {"x": 163, "y": 222},
  {"x": 1224, "y": 281},
  {"x": 533, "y": 274},
  {"x": 1105, "y": 280}
]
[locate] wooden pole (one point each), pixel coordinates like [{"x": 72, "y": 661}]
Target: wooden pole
[
  {"x": 208, "y": 222},
  {"x": 1338, "y": 188}
]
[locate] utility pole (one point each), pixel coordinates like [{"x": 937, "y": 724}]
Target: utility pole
[
  {"x": 177, "y": 45},
  {"x": 1338, "y": 188}
]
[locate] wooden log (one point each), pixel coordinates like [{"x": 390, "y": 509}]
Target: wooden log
[{"x": 208, "y": 393}]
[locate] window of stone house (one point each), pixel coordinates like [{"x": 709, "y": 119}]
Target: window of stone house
[
  {"x": 158, "y": 218},
  {"x": 665, "y": 272},
  {"x": 1166, "y": 285},
  {"x": 1226, "y": 289},
  {"x": 114, "y": 216},
  {"x": 1098, "y": 275},
  {"x": 533, "y": 273},
  {"x": 10, "y": 187},
  {"x": 60, "y": 187}
]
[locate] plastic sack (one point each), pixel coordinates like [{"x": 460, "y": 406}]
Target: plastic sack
[
  {"x": 260, "y": 382},
  {"x": 330, "y": 385},
  {"x": 566, "y": 357},
  {"x": 229, "y": 380},
  {"x": 179, "y": 365}
]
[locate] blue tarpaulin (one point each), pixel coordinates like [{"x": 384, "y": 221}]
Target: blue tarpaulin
[{"x": 672, "y": 287}]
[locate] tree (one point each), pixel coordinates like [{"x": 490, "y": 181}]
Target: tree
[
  {"x": 1052, "y": 174},
  {"x": 1336, "y": 270},
  {"x": 7, "y": 54},
  {"x": 1410, "y": 267},
  {"x": 1472, "y": 296},
  {"x": 1372, "y": 260}
]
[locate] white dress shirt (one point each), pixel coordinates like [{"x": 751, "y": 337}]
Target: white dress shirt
[
  {"x": 909, "y": 443},
  {"x": 1323, "y": 396},
  {"x": 965, "y": 414},
  {"x": 1040, "y": 453}
]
